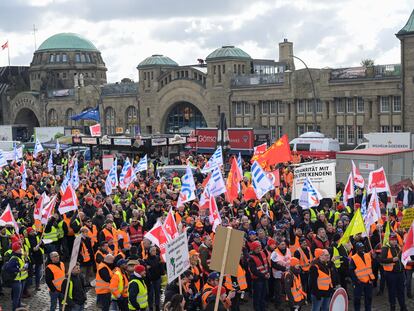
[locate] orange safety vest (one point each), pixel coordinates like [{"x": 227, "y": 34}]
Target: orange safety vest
[
  {"x": 296, "y": 288},
  {"x": 92, "y": 234},
  {"x": 295, "y": 246},
  {"x": 324, "y": 280},
  {"x": 136, "y": 235},
  {"x": 101, "y": 286},
  {"x": 66, "y": 219},
  {"x": 144, "y": 254},
  {"x": 85, "y": 253},
  {"x": 125, "y": 238},
  {"x": 262, "y": 265},
  {"x": 241, "y": 280},
  {"x": 197, "y": 272},
  {"x": 304, "y": 261},
  {"x": 207, "y": 288},
  {"x": 58, "y": 275},
  {"x": 114, "y": 238},
  {"x": 115, "y": 281},
  {"x": 363, "y": 269},
  {"x": 388, "y": 266}
]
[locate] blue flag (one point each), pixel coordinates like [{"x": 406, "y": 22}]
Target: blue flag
[{"x": 90, "y": 114}]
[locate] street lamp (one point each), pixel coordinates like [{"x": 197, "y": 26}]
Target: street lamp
[{"x": 313, "y": 90}]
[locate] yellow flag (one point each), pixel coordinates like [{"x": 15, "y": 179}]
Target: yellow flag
[
  {"x": 355, "y": 226},
  {"x": 386, "y": 235}
]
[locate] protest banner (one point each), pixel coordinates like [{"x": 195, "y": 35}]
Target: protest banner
[
  {"x": 408, "y": 217},
  {"x": 176, "y": 256},
  {"x": 322, "y": 175}
]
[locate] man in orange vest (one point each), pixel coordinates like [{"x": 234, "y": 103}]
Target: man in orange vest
[
  {"x": 103, "y": 280},
  {"x": 259, "y": 269},
  {"x": 54, "y": 276},
  {"x": 394, "y": 272},
  {"x": 119, "y": 285},
  {"x": 86, "y": 258},
  {"x": 320, "y": 280},
  {"x": 295, "y": 294},
  {"x": 237, "y": 284},
  {"x": 362, "y": 277},
  {"x": 304, "y": 254}
]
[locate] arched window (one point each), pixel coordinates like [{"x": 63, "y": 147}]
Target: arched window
[
  {"x": 52, "y": 117},
  {"x": 183, "y": 118},
  {"x": 110, "y": 120},
  {"x": 69, "y": 114},
  {"x": 132, "y": 119}
]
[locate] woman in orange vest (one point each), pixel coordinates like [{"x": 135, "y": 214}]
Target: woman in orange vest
[
  {"x": 362, "y": 277},
  {"x": 110, "y": 233},
  {"x": 320, "y": 280},
  {"x": 293, "y": 285},
  {"x": 85, "y": 257},
  {"x": 103, "y": 279},
  {"x": 123, "y": 238}
]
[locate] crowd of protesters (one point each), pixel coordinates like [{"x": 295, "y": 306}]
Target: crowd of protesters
[{"x": 291, "y": 257}]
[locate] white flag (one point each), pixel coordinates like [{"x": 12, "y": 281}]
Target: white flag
[
  {"x": 188, "y": 188},
  {"x": 37, "y": 148},
  {"x": 50, "y": 163},
  {"x": 358, "y": 179},
  {"x": 310, "y": 197},
  {"x": 216, "y": 184},
  {"x": 261, "y": 183},
  {"x": 216, "y": 160},
  {"x": 142, "y": 165},
  {"x": 3, "y": 161},
  {"x": 112, "y": 178}
]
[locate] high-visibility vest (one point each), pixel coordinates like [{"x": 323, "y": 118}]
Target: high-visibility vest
[
  {"x": 304, "y": 261},
  {"x": 388, "y": 266},
  {"x": 136, "y": 235},
  {"x": 92, "y": 234},
  {"x": 241, "y": 280},
  {"x": 85, "y": 253},
  {"x": 337, "y": 262},
  {"x": 313, "y": 216},
  {"x": 52, "y": 234},
  {"x": 324, "y": 280},
  {"x": 296, "y": 288},
  {"x": 58, "y": 274},
  {"x": 207, "y": 288},
  {"x": 101, "y": 286},
  {"x": 142, "y": 298},
  {"x": 144, "y": 254},
  {"x": 119, "y": 284},
  {"x": 196, "y": 270},
  {"x": 70, "y": 292},
  {"x": 125, "y": 237},
  {"x": 261, "y": 265},
  {"x": 113, "y": 236},
  {"x": 60, "y": 231},
  {"x": 22, "y": 274},
  {"x": 66, "y": 219},
  {"x": 295, "y": 246},
  {"x": 27, "y": 244},
  {"x": 176, "y": 181},
  {"x": 363, "y": 270}
]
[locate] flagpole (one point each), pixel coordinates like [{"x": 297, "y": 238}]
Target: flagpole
[{"x": 8, "y": 52}]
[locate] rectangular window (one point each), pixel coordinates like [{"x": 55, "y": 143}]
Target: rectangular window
[
  {"x": 246, "y": 108},
  {"x": 238, "y": 108},
  {"x": 83, "y": 60},
  {"x": 148, "y": 112},
  {"x": 52, "y": 58},
  {"x": 77, "y": 58},
  {"x": 301, "y": 129},
  {"x": 281, "y": 107},
  {"x": 57, "y": 58},
  {"x": 279, "y": 131},
  {"x": 385, "y": 104},
  {"x": 88, "y": 58},
  {"x": 318, "y": 106},
  {"x": 264, "y": 107},
  {"x": 360, "y": 105},
  {"x": 234, "y": 68},
  {"x": 224, "y": 68},
  {"x": 214, "y": 69},
  {"x": 145, "y": 75},
  {"x": 273, "y": 133},
  {"x": 152, "y": 75},
  {"x": 397, "y": 128},
  {"x": 360, "y": 133},
  {"x": 301, "y": 107},
  {"x": 243, "y": 69},
  {"x": 64, "y": 75},
  {"x": 309, "y": 106},
  {"x": 340, "y": 105},
  {"x": 340, "y": 133},
  {"x": 350, "y": 135},
  {"x": 385, "y": 129},
  {"x": 273, "y": 107},
  {"x": 350, "y": 105},
  {"x": 396, "y": 104}
]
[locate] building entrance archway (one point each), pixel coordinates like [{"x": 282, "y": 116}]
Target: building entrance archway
[
  {"x": 183, "y": 117},
  {"x": 28, "y": 118}
]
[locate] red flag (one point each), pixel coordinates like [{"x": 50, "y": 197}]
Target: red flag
[
  {"x": 214, "y": 216},
  {"x": 274, "y": 176},
  {"x": 5, "y": 45},
  {"x": 43, "y": 200},
  {"x": 233, "y": 181},
  {"x": 204, "y": 198},
  {"x": 348, "y": 190},
  {"x": 48, "y": 210},
  {"x": 68, "y": 202},
  {"x": 378, "y": 180},
  {"x": 7, "y": 218},
  {"x": 258, "y": 150},
  {"x": 249, "y": 193},
  {"x": 95, "y": 130},
  {"x": 408, "y": 249},
  {"x": 22, "y": 168},
  {"x": 170, "y": 226},
  {"x": 279, "y": 152},
  {"x": 158, "y": 237}
]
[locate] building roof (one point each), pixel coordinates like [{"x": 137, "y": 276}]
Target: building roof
[
  {"x": 409, "y": 26},
  {"x": 67, "y": 41},
  {"x": 157, "y": 60},
  {"x": 376, "y": 151},
  {"x": 228, "y": 52}
]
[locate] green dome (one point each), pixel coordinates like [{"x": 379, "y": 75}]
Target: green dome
[
  {"x": 157, "y": 60},
  {"x": 228, "y": 52},
  {"x": 67, "y": 41}
]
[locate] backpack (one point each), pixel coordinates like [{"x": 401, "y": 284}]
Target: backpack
[{"x": 7, "y": 276}]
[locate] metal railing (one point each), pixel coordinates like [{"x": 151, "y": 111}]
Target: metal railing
[
  {"x": 254, "y": 79},
  {"x": 374, "y": 72}
]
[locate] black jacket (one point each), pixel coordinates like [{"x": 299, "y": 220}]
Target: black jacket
[
  {"x": 313, "y": 279},
  {"x": 78, "y": 290},
  {"x": 133, "y": 290},
  {"x": 400, "y": 197},
  {"x": 157, "y": 268}
]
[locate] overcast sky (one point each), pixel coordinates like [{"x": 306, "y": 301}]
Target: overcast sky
[{"x": 325, "y": 33}]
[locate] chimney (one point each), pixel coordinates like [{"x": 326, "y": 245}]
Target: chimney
[{"x": 285, "y": 54}]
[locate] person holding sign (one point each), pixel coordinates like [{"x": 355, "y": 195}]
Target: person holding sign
[{"x": 76, "y": 298}]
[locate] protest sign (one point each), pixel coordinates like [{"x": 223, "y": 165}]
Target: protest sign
[
  {"x": 176, "y": 256},
  {"x": 408, "y": 217}
]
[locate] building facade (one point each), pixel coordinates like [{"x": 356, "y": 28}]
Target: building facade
[{"x": 68, "y": 75}]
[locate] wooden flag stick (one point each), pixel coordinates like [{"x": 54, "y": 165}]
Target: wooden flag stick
[
  {"x": 223, "y": 266},
  {"x": 180, "y": 284},
  {"x": 64, "y": 302}
]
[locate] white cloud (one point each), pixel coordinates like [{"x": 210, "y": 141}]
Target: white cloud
[{"x": 332, "y": 33}]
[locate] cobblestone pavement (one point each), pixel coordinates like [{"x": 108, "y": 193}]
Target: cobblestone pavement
[{"x": 40, "y": 302}]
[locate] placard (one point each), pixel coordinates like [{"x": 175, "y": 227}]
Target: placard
[
  {"x": 122, "y": 141},
  {"x": 107, "y": 160},
  {"x": 408, "y": 217},
  {"x": 159, "y": 141},
  {"x": 89, "y": 140},
  {"x": 75, "y": 253},
  {"x": 321, "y": 173},
  {"x": 177, "y": 140},
  {"x": 176, "y": 256},
  {"x": 105, "y": 140}
]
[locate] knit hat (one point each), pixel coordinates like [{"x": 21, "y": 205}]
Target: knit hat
[
  {"x": 294, "y": 261},
  {"x": 121, "y": 262},
  {"x": 318, "y": 252},
  {"x": 16, "y": 246},
  {"x": 139, "y": 269},
  {"x": 29, "y": 230},
  {"x": 256, "y": 244},
  {"x": 193, "y": 252},
  {"x": 271, "y": 242}
]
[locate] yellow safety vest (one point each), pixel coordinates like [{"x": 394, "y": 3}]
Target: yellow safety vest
[
  {"x": 142, "y": 298},
  {"x": 23, "y": 274},
  {"x": 53, "y": 235},
  {"x": 337, "y": 262}
]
